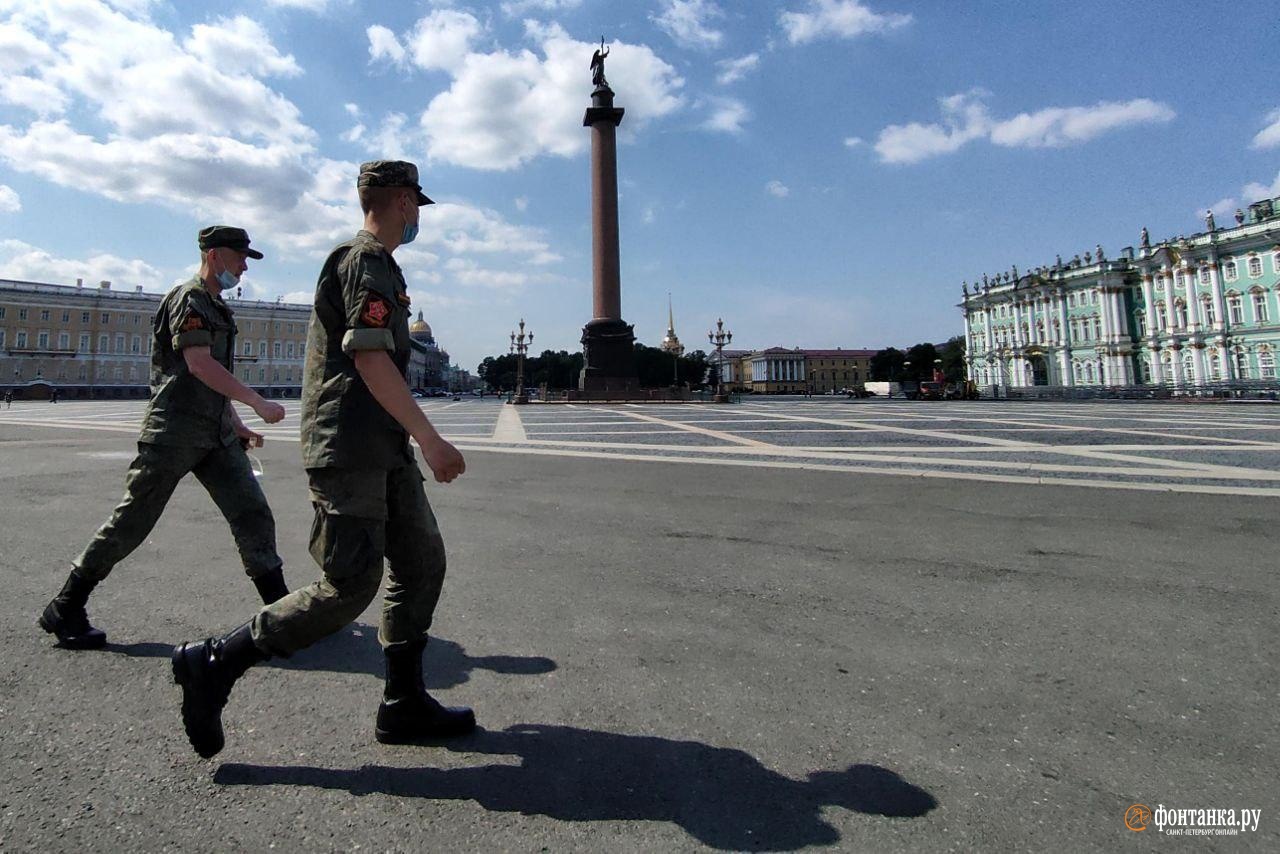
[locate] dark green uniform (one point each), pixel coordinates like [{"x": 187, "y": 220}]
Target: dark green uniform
[
  {"x": 366, "y": 487},
  {"x": 187, "y": 428}
]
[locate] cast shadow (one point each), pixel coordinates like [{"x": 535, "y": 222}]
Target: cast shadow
[
  {"x": 723, "y": 797},
  {"x": 445, "y": 664},
  {"x": 145, "y": 649}
]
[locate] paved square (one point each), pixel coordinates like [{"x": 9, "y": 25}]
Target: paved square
[{"x": 874, "y": 625}]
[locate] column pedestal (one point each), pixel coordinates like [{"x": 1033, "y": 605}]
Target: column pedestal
[{"x": 608, "y": 357}]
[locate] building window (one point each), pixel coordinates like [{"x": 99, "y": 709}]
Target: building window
[
  {"x": 1071, "y": 301},
  {"x": 1229, "y": 271},
  {"x": 1180, "y": 314},
  {"x": 1215, "y": 367},
  {"x": 137, "y": 344},
  {"x": 1177, "y": 279},
  {"x": 1255, "y": 266},
  {"x": 275, "y": 349},
  {"x": 1097, "y": 327},
  {"x": 42, "y": 341},
  {"x": 1235, "y": 308},
  {"x": 1267, "y": 364},
  {"x": 1275, "y": 262},
  {"x": 84, "y": 317},
  {"x": 1140, "y": 321},
  {"x": 289, "y": 350},
  {"x": 275, "y": 375},
  {"x": 262, "y": 349},
  {"x": 84, "y": 342},
  {"x": 248, "y": 348},
  {"x": 1204, "y": 275},
  {"x": 22, "y": 314},
  {"x": 44, "y": 314},
  {"x": 1207, "y": 305},
  {"x": 1260, "y": 306},
  {"x": 119, "y": 372},
  {"x": 262, "y": 375},
  {"x": 64, "y": 340},
  {"x": 120, "y": 342},
  {"x": 244, "y": 375},
  {"x": 66, "y": 317},
  {"x": 103, "y": 343},
  {"x": 1242, "y": 365},
  {"x": 106, "y": 319},
  {"x": 84, "y": 372},
  {"x": 1162, "y": 320},
  {"x": 2, "y": 312},
  {"x": 21, "y": 341},
  {"x": 1, "y": 337}
]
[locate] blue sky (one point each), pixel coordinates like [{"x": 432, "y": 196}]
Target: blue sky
[{"x": 819, "y": 173}]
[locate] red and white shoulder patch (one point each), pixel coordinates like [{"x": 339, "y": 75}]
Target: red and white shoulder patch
[{"x": 376, "y": 311}]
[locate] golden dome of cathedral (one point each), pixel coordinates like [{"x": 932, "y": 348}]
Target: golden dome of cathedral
[{"x": 420, "y": 326}]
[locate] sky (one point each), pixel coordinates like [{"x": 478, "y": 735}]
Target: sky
[{"x": 818, "y": 173}]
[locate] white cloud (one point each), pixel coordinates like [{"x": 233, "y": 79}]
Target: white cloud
[
  {"x": 34, "y": 94},
  {"x": 239, "y": 46},
  {"x": 1269, "y": 136},
  {"x": 853, "y": 141},
  {"x": 517, "y": 8},
  {"x": 1254, "y": 192},
  {"x": 1056, "y": 127},
  {"x": 1222, "y": 207},
  {"x": 353, "y": 110},
  {"x": 305, "y": 5},
  {"x": 733, "y": 70},
  {"x": 543, "y": 97},
  {"x": 21, "y": 50},
  {"x": 10, "y": 202},
  {"x": 522, "y": 203},
  {"x": 688, "y": 22},
  {"x": 442, "y": 39},
  {"x": 837, "y": 19},
  {"x": 383, "y": 44},
  {"x": 19, "y": 260},
  {"x": 965, "y": 118},
  {"x": 727, "y": 115},
  {"x": 777, "y": 189}
]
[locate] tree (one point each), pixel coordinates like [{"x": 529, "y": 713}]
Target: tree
[
  {"x": 922, "y": 357},
  {"x": 953, "y": 359},
  {"x": 886, "y": 365}
]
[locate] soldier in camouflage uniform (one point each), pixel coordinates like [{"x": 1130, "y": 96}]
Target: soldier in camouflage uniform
[
  {"x": 366, "y": 487},
  {"x": 189, "y": 426}
]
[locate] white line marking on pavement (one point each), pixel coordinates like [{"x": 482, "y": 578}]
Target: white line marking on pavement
[
  {"x": 509, "y": 428},
  {"x": 728, "y": 438}
]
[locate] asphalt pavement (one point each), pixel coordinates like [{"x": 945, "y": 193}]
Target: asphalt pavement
[{"x": 663, "y": 656}]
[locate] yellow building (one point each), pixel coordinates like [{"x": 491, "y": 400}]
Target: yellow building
[
  {"x": 779, "y": 370},
  {"x": 95, "y": 341}
]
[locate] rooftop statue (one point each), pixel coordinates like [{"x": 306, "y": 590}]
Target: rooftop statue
[
  {"x": 1209, "y": 223},
  {"x": 1146, "y": 238}
]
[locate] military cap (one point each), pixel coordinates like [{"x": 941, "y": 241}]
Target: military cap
[
  {"x": 391, "y": 173},
  {"x": 227, "y": 236}
]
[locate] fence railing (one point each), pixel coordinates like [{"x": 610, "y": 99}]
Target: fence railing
[{"x": 1233, "y": 389}]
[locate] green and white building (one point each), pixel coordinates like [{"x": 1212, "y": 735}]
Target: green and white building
[{"x": 1185, "y": 314}]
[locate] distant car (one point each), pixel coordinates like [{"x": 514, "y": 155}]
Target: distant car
[
  {"x": 418, "y": 394},
  {"x": 931, "y": 391}
]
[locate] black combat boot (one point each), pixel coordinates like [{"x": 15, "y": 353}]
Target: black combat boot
[
  {"x": 65, "y": 616},
  {"x": 408, "y": 713},
  {"x": 271, "y": 586},
  {"x": 206, "y": 670}
]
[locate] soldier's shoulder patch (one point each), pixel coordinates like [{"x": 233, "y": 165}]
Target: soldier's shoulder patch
[
  {"x": 192, "y": 322},
  {"x": 376, "y": 311},
  {"x": 402, "y": 297}
]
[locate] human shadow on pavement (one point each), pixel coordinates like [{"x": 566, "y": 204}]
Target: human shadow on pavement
[
  {"x": 723, "y": 797},
  {"x": 144, "y": 649},
  {"x": 445, "y": 664}
]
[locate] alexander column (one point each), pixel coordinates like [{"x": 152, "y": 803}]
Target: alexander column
[{"x": 608, "y": 342}]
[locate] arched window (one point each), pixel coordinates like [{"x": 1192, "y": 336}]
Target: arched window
[
  {"x": 1259, "y": 305},
  {"x": 1162, "y": 319},
  {"x": 1204, "y": 274},
  {"x": 1255, "y": 266},
  {"x": 1235, "y": 308},
  {"x": 1206, "y": 303},
  {"x": 1242, "y": 363},
  {"x": 1140, "y": 322},
  {"x": 1230, "y": 271},
  {"x": 1266, "y": 363},
  {"x": 1180, "y": 313},
  {"x": 1088, "y": 373},
  {"x": 1215, "y": 367}
]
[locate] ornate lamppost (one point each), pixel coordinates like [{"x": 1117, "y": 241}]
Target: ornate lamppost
[
  {"x": 520, "y": 346},
  {"x": 719, "y": 338}
]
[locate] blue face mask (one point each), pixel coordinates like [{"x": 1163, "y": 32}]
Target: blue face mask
[
  {"x": 410, "y": 232},
  {"x": 226, "y": 280}
]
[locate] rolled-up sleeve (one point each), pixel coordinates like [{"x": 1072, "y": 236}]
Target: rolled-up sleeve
[
  {"x": 189, "y": 324},
  {"x": 368, "y": 291}
]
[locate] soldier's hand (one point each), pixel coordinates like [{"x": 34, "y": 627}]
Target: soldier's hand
[
  {"x": 444, "y": 460},
  {"x": 269, "y": 411},
  {"x": 248, "y": 438}
]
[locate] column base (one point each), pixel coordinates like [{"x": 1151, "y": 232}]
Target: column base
[{"x": 608, "y": 357}]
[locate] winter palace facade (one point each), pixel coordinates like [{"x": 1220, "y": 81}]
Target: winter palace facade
[{"x": 1185, "y": 313}]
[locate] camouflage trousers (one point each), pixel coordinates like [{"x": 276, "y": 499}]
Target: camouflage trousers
[
  {"x": 154, "y": 474},
  {"x": 362, "y": 516}
]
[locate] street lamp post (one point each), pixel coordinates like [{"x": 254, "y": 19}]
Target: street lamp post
[
  {"x": 720, "y": 338},
  {"x": 519, "y": 346}
]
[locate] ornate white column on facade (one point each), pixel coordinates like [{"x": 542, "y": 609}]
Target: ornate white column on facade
[
  {"x": 1175, "y": 362},
  {"x": 1193, "y": 297},
  {"x": 1219, "y": 305}
]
